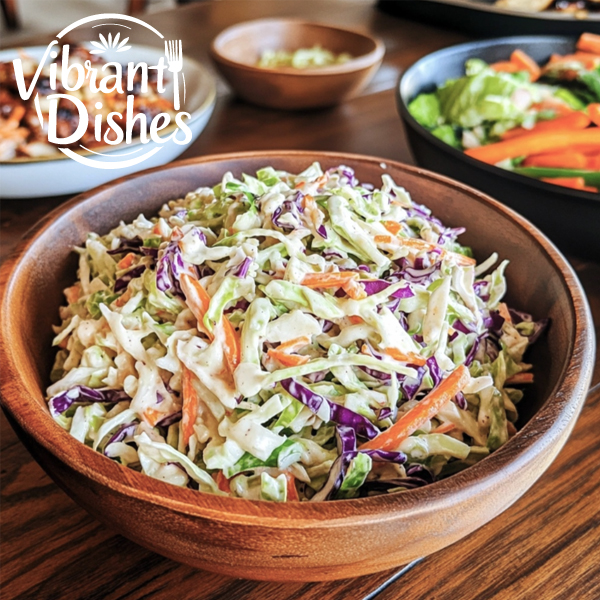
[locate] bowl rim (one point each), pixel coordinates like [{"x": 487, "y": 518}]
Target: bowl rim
[
  {"x": 19, "y": 396},
  {"x": 353, "y": 64},
  {"x": 402, "y": 104},
  {"x": 207, "y": 103}
]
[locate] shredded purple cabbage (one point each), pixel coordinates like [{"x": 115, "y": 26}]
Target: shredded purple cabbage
[
  {"x": 339, "y": 414},
  {"x": 170, "y": 419},
  {"x": 81, "y": 394},
  {"x": 122, "y": 282},
  {"x": 171, "y": 266},
  {"x": 122, "y": 433},
  {"x": 242, "y": 270},
  {"x": 434, "y": 370}
]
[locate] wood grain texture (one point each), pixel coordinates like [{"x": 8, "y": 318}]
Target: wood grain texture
[{"x": 51, "y": 549}]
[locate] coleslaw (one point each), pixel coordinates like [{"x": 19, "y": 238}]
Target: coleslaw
[{"x": 290, "y": 338}]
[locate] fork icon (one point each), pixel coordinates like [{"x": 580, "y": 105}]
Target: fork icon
[{"x": 175, "y": 60}]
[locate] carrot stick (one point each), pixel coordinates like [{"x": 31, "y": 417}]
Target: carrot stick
[
  {"x": 574, "y": 183},
  {"x": 534, "y": 143},
  {"x": 573, "y": 120},
  {"x": 588, "y": 61},
  {"x": 593, "y": 162},
  {"x": 519, "y": 378},
  {"x": 557, "y": 160},
  {"x": 425, "y": 410},
  {"x": 524, "y": 62},
  {"x": 589, "y": 42},
  {"x": 445, "y": 428},
  {"x": 505, "y": 66},
  {"x": 593, "y": 111},
  {"x": 327, "y": 280},
  {"x": 190, "y": 404},
  {"x": 559, "y": 107}
]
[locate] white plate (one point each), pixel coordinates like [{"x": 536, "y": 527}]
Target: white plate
[{"x": 38, "y": 178}]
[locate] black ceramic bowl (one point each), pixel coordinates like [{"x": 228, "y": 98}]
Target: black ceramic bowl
[
  {"x": 570, "y": 217},
  {"x": 482, "y": 18}
]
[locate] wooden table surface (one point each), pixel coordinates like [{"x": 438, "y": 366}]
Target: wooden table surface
[{"x": 547, "y": 546}]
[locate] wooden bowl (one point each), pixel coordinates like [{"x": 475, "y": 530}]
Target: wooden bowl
[
  {"x": 237, "y": 49},
  {"x": 297, "y": 541}
]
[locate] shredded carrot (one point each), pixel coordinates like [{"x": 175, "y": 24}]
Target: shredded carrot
[
  {"x": 445, "y": 428},
  {"x": 198, "y": 300},
  {"x": 520, "y": 378},
  {"x": 557, "y": 160},
  {"x": 505, "y": 66},
  {"x": 383, "y": 239},
  {"x": 124, "y": 298},
  {"x": 392, "y": 226},
  {"x": 354, "y": 289},
  {"x": 589, "y": 42},
  {"x": 425, "y": 410},
  {"x": 356, "y": 320},
  {"x": 410, "y": 357},
  {"x": 593, "y": 111},
  {"x": 222, "y": 482},
  {"x": 534, "y": 143},
  {"x": 422, "y": 245},
  {"x": 327, "y": 280},
  {"x": 292, "y": 492},
  {"x": 232, "y": 345},
  {"x": 190, "y": 404},
  {"x": 287, "y": 360},
  {"x": 284, "y": 353},
  {"x": 573, "y": 120},
  {"x": 72, "y": 294},
  {"x": 126, "y": 261},
  {"x": 295, "y": 344},
  {"x": 525, "y": 63},
  {"x": 574, "y": 183},
  {"x": 152, "y": 416}
]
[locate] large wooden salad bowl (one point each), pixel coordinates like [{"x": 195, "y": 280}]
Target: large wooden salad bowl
[{"x": 294, "y": 541}]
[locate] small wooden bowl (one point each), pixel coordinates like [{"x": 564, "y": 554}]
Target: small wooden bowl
[
  {"x": 237, "y": 49},
  {"x": 296, "y": 541}
]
